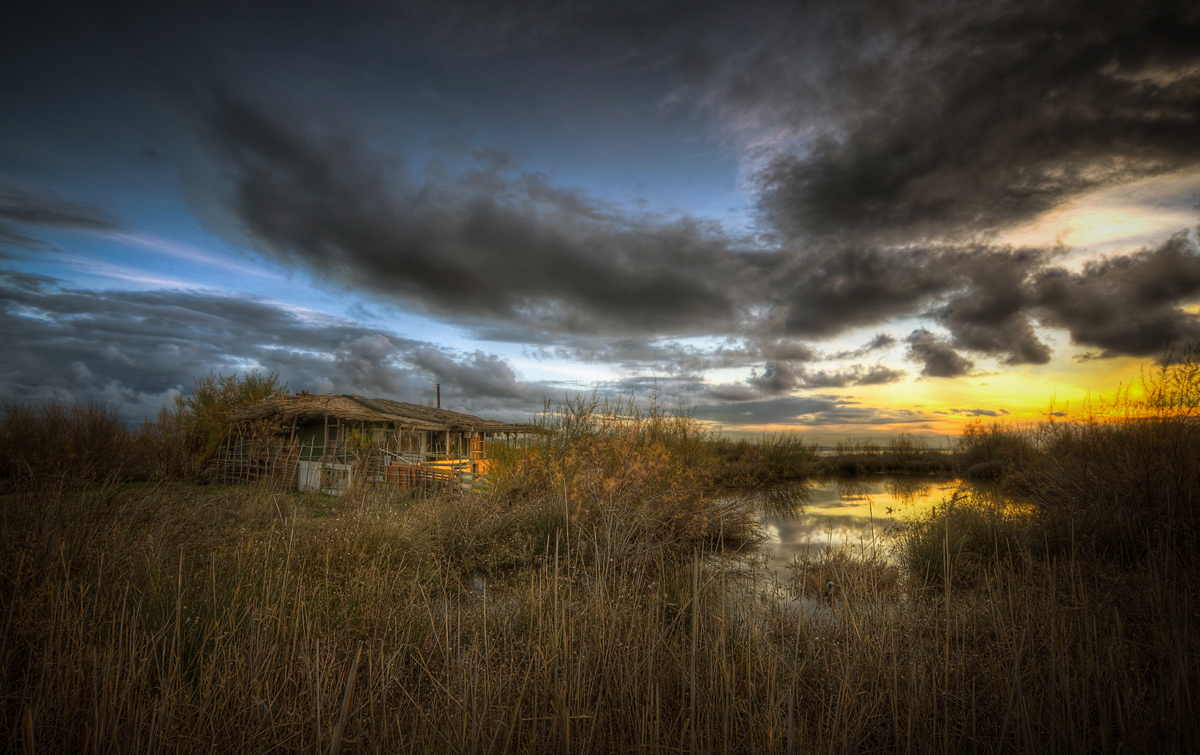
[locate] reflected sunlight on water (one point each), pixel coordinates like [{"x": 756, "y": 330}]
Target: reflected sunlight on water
[{"x": 848, "y": 513}]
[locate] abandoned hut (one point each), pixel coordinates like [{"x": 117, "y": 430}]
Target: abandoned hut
[{"x": 328, "y": 443}]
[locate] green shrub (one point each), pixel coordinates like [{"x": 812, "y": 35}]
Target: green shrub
[{"x": 204, "y": 411}]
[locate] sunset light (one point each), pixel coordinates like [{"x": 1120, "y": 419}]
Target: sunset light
[{"x": 603, "y": 376}]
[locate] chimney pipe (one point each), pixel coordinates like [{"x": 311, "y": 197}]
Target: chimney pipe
[{"x": 439, "y": 395}]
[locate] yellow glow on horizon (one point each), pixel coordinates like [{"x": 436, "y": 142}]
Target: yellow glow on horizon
[
  {"x": 1018, "y": 395},
  {"x": 1115, "y": 220}
]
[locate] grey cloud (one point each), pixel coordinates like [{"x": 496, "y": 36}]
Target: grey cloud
[
  {"x": 1127, "y": 304},
  {"x": 480, "y": 243},
  {"x": 938, "y": 356},
  {"x": 991, "y": 314},
  {"x": 10, "y": 237},
  {"x": 513, "y": 257},
  {"x": 846, "y": 287},
  {"x": 778, "y": 378},
  {"x": 980, "y": 294},
  {"x": 945, "y": 117},
  {"x": 918, "y": 125},
  {"x": 880, "y": 375},
  {"x": 877, "y": 374},
  {"x": 678, "y": 359},
  {"x": 668, "y": 358},
  {"x": 477, "y": 374},
  {"x": 23, "y": 207},
  {"x": 801, "y": 410},
  {"x": 879, "y": 342},
  {"x": 140, "y": 348}
]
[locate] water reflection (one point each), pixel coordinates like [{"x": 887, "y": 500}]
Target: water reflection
[
  {"x": 854, "y": 513},
  {"x": 785, "y": 502},
  {"x": 908, "y": 489}
]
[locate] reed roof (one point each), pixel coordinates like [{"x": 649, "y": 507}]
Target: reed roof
[{"x": 362, "y": 409}]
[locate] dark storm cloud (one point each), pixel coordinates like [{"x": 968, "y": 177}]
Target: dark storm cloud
[
  {"x": 991, "y": 315},
  {"x": 20, "y": 207},
  {"x": 1127, "y": 304},
  {"x": 138, "y": 348},
  {"x": 980, "y": 294},
  {"x": 480, "y": 243},
  {"x": 779, "y": 378},
  {"x": 854, "y": 286},
  {"x": 948, "y": 117},
  {"x": 913, "y": 130},
  {"x": 938, "y": 356},
  {"x": 898, "y": 137}
]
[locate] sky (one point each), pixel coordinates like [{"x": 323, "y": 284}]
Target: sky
[{"x": 847, "y": 219}]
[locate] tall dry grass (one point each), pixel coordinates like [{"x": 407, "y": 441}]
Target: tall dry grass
[
  {"x": 615, "y": 466},
  {"x": 1115, "y": 476},
  {"x": 767, "y": 461},
  {"x": 60, "y": 443},
  {"x": 599, "y": 601},
  {"x": 177, "y": 619}
]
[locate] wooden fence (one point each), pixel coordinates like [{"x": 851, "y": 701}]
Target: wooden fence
[{"x": 242, "y": 461}]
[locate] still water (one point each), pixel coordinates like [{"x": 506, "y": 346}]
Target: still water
[{"x": 848, "y": 513}]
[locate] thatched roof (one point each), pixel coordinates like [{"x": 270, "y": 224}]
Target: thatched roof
[{"x": 361, "y": 409}]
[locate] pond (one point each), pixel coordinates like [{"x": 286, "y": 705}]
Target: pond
[{"x": 854, "y": 513}]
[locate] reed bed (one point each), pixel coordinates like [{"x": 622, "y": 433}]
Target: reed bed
[
  {"x": 181, "y": 619},
  {"x": 603, "y": 598}
]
